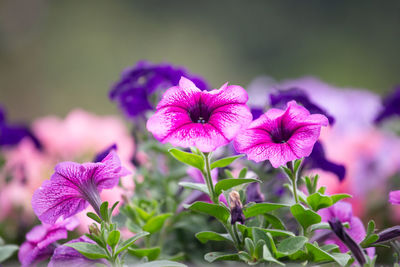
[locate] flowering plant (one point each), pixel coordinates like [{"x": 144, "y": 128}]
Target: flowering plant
[{"x": 186, "y": 194}]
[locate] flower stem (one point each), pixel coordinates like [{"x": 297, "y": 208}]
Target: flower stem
[
  {"x": 208, "y": 179},
  {"x": 293, "y": 179}
]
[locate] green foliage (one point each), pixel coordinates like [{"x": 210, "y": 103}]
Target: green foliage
[
  {"x": 150, "y": 253},
  {"x": 220, "y": 256},
  {"x": 304, "y": 216},
  {"x": 196, "y": 186},
  {"x": 113, "y": 238},
  {"x": 317, "y": 255},
  {"x": 226, "y": 184},
  {"x": 156, "y": 223},
  {"x": 6, "y": 251},
  {"x": 90, "y": 251},
  {"x": 217, "y": 211},
  {"x": 370, "y": 236},
  {"x": 261, "y": 208},
  {"x": 206, "y": 236},
  {"x": 319, "y": 201},
  {"x": 291, "y": 245},
  {"x": 224, "y": 162},
  {"x": 190, "y": 159}
]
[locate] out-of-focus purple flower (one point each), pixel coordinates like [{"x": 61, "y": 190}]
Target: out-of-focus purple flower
[
  {"x": 100, "y": 156},
  {"x": 281, "y": 97},
  {"x": 281, "y": 135},
  {"x": 64, "y": 255},
  {"x": 187, "y": 116},
  {"x": 256, "y": 112},
  {"x": 132, "y": 92},
  {"x": 344, "y": 213},
  {"x": 394, "y": 197},
  {"x": 391, "y": 106},
  {"x": 74, "y": 185},
  {"x": 317, "y": 160},
  {"x": 196, "y": 176},
  {"x": 12, "y": 134},
  {"x": 337, "y": 227},
  {"x": 253, "y": 193},
  {"x": 39, "y": 244}
]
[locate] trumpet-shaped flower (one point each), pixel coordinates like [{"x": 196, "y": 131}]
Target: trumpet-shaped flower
[
  {"x": 281, "y": 135},
  {"x": 73, "y": 186},
  {"x": 64, "y": 255},
  {"x": 187, "y": 116},
  {"x": 39, "y": 244}
]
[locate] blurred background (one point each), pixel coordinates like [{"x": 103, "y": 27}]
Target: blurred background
[{"x": 58, "y": 55}]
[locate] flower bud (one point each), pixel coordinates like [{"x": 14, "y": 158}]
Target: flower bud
[
  {"x": 236, "y": 208},
  {"x": 93, "y": 229},
  {"x": 388, "y": 234}
]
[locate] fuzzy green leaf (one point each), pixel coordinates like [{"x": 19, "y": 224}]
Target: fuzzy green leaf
[
  {"x": 196, "y": 186},
  {"x": 221, "y": 163},
  {"x": 7, "y": 251},
  {"x": 214, "y": 210},
  {"x": 156, "y": 223},
  {"x": 90, "y": 251},
  {"x": 305, "y": 217},
  {"x": 226, "y": 184},
  {"x": 261, "y": 208},
  {"x": 188, "y": 158},
  {"x": 206, "y": 236},
  {"x": 150, "y": 253}
]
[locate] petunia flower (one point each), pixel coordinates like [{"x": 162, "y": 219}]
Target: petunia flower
[
  {"x": 187, "y": 116},
  {"x": 394, "y": 197},
  {"x": 343, "y": 212},
  {"x": 64, "y": 255},
  {"x": 132, "y": 92},
  {"x": 279, "y": 99},
  {"x": 391, "y": 106},
  {"x": 281, "y": 135},
  {"x": 12, "y": 134},
  {"x": 40, "y": 241},
  {"x": 318, "y": 160},
  {"x": 73, "y": 186}
]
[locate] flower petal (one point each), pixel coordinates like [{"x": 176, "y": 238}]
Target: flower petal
[{"x": 394, "y": 197}]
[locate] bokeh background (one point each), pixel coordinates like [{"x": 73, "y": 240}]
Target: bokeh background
[{"x": 58, "y": 55}]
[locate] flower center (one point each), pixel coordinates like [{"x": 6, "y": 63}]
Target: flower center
[
  {"x": 281, "y": 135},
  {"x": 199, "y": 113}
]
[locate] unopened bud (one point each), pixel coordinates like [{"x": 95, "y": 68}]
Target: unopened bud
[
  {"x": 93, "y": 229},
  {"x": 388, "y": 234},
  {"x": 236, "y": 208}
]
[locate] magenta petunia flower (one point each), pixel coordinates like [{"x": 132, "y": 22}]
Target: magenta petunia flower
[
  {"x": 74, "y": 185},
  {"x": 394, "y": 197},
  {"x": 187, "y": 116},
  {"x": 64, "y": 255},
  {"x": 40, "y": 241},
  {"x": 281, "y": 135}
]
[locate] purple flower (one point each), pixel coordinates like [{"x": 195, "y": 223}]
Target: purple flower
[
  {"x": 39, "y": 244},
  {"x": 391, "y": 106},
  {"x": 138, "y": 83},
  {"x": 12, "y": 134},
  {"x": 187, "y": 116},
  {"x": 394, "y": 197},
  {"x": 64, "y": 255},
  {"x": 74, "y": 185},
  {"x": 253, "y": 193},
  {"x": 236, "y": 208},
  {"x": 317, "y": 160},
  {"x": 344, "y": 213},
  {"x": 281, "y": 135},
  {"x": 100, "y": 156},
  {"x": 281, "y": 97}
]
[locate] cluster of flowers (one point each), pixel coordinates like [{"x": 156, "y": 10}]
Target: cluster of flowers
[{"x": 189, "y": 115}]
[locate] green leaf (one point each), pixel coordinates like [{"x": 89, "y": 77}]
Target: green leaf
[
  {"x": 337, "y": 197},
  {"x": 93, "y": 216},
  {"x": 113, "y": 207},
  {"x": 220, "y": 256},
  {"x": 226, "y": 184},
  {"x": 320, "y": 226},
  {"x": 7, "y": 251},
  {"x": 261, "y": 208},
  {"x": 274, "y": 221},
  {"x": 90, "y": 251},
  {"x": 318, "y": 201},
  {"x": 297, "y": 164},
  {"x": 161, "y": 263},
  {"x": 96, "y": 239},
  {"x": 156, "y": 223},
  {"x": 206, "y": 236},
  {"x": 316, "y": 254},
  {"x": 228, "y": 173},
  {"x": 129, "y": 242},
  {"x": 249, "y": 245},
  {"x": 214, "y": 210},
  {"x": 113, "y": 238},
  {"x": 188, "y": 158},
  {"x": 104, "y": 210},
  {"x": 305, "y": 217},
  {"x": 196, "y": 186},
  {"x": 267, "y": 256},
  {"x": 221, "y": 163},
  {"x": 247, "y": 231},
  {"x": 150, "y": 253},
  {"x": 242, "y": 173},
  {"x": 291, "y": 245}
]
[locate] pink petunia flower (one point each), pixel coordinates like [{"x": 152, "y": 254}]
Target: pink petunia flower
[
  {"x": 40, "y": 241},
  {"x": 187, "y": 116},
  {"x": 343, "y": 212},
  {"x": 74, "y": 185},
  {"x": 281, "y": 135},
  {"x": 64, "y": 255},
  {"x": 394, "y": 197}
]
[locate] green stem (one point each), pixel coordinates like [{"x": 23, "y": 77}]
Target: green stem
[
  {"x": 293, "y": 179},
  {"x": 208, "y": 179}
]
